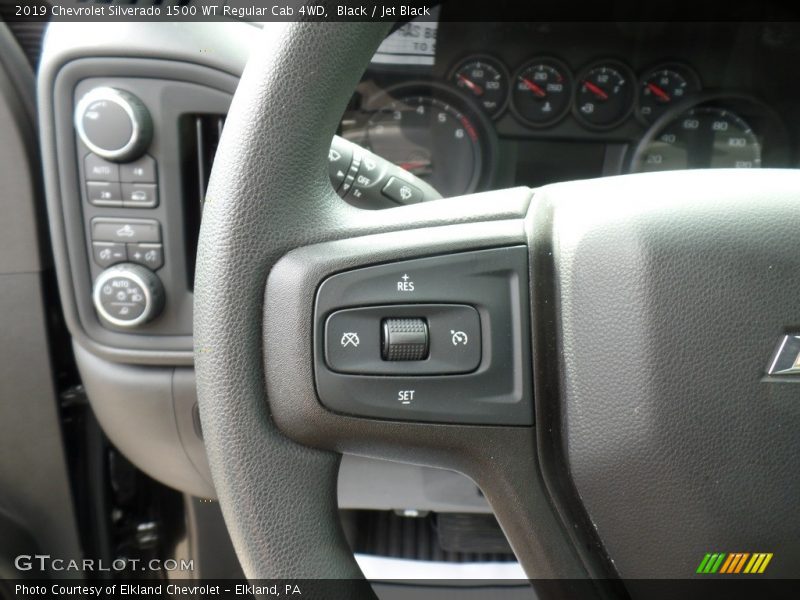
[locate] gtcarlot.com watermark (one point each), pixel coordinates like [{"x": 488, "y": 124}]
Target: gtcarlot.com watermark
[{"x": 47, "y": 563}]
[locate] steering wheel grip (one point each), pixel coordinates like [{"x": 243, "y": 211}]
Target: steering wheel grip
[{"x": 278, "y": 497}]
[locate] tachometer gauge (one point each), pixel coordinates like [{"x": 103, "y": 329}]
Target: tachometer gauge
[
  {"x": 604, "y": 95},
  {"x": 662, "y": 88},
  {"x": 541, "y": 92},
  {"x": 701, "y": 138},
  {"x": 484, "y": 80},
  {"x": 433, "y": 132}
]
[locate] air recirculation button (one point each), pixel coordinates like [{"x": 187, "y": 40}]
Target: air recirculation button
[{"x": 404, "y": 339}]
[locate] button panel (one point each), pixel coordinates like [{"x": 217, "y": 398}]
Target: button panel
[
  {"x": 354, "y": 339},
  {"x": 127, "y": 185},
  {"x": 171, "y": 199},
  {"x": 478, "y": 367}
]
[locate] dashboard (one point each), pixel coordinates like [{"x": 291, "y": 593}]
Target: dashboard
[
  {"x": 476, "y": 106},
  {"x": 463, "y": 106}
]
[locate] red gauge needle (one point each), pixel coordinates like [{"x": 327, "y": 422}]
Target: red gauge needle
[
  {"x": 533, "y": 87},
  {"x": 595, "y": 90},
  {"x": 476, "y": 89},
  {"x": 660, "y": 94},
  {"x": 414, "y": 164}
]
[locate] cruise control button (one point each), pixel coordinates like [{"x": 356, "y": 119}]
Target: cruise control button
[
  {"x": 352, "y": 340},
  {"x": 148, "y": 255},
  {"x": 98, "y": 169},
  {"x": 139, "y": 195},
  {"x": 401, "y": 191},
  {"x": 104, "y": 193},
  {"x": 125, "y": 230},
  {"x": 139, "y": 171},
  {"x": 106, "y": 254}
]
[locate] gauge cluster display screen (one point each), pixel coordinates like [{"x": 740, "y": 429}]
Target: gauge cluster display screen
[{"x": 540, "y": 163}]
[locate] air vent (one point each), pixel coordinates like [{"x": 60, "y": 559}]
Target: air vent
[
  {"x": 200, "y": 134},
  {"x": 208, "y": 129}
]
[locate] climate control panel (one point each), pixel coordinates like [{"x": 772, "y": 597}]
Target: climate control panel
[
  {"x": 130, "y": 144},
  {"x": 118, "y": 172}
]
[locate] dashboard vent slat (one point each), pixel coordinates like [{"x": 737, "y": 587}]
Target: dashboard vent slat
[
  {"x": 208, "y": 129},
  {"x": 200, "y": 134}
]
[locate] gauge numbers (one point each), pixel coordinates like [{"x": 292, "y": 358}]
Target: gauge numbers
[
  {"x": 485, "y": 81},
  {"x": 541, "y": 92},
  {"x": 604, "y": 95},
  {"x": 701, "y": 138}
]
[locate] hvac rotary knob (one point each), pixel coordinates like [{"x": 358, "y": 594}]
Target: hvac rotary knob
[
  {"x": 128, "y": 295},
  {"x": 113, "y": 124}
]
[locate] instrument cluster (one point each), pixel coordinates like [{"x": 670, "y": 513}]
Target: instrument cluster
[{"x": 467, "y": 120}]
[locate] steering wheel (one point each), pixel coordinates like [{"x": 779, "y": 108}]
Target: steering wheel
[{"x": 653, "y": 305}]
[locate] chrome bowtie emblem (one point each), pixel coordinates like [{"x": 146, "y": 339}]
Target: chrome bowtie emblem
[{"x": 786, "y": 360}]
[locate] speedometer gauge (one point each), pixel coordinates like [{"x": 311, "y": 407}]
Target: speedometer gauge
[{"x": 702, "y": 137}]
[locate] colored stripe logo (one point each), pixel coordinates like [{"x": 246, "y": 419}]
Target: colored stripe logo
[{"x": 734, "y": 563}]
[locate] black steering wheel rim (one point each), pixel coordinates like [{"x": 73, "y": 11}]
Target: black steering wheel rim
[{"x": 271, "y": 105}]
